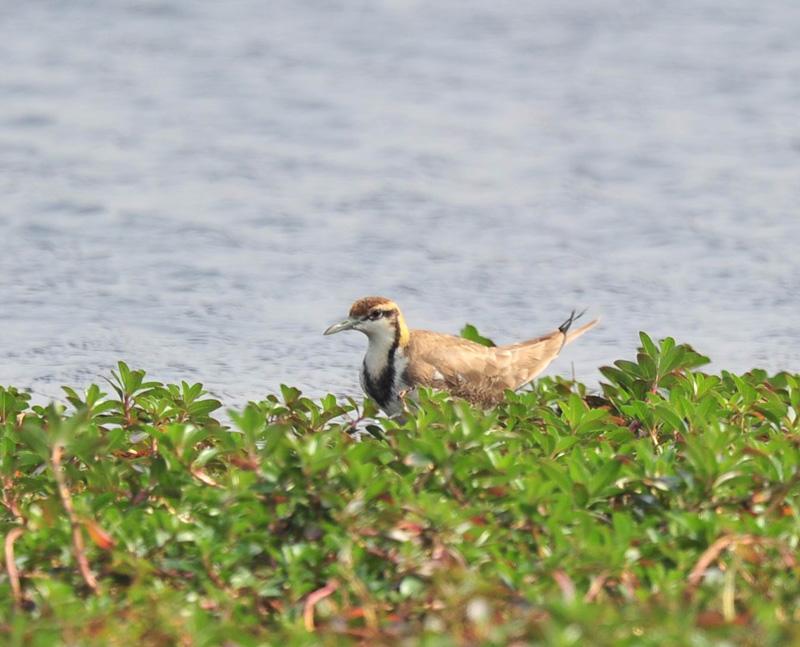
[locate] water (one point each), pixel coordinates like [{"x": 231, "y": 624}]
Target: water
[{"x": 201, "y": 188}]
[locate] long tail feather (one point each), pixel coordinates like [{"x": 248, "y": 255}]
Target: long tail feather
[
  {"x": 577, "y": 333},
  {"x": 564, "y": 327}
]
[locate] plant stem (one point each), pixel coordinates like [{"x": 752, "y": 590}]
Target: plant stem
[{"x": 77, "y": 536}]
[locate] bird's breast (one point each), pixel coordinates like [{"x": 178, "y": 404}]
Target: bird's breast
[{"x": 382, "y": 378}]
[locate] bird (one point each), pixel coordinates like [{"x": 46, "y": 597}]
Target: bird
[{"x": 399, "y": 359}]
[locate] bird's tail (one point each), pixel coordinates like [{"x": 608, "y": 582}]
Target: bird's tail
[
  {"x": 564, "y": 327},
  {"x": 570, "y": 336}
]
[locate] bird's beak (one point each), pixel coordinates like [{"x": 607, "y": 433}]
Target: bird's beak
[{"x": 347, "y": 324}]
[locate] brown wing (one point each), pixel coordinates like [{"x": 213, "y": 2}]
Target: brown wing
[
  {"x": 462, "y": 367},
  {"x": 479, "y": 373}
]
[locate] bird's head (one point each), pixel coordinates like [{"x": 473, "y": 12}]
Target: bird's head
[{"x": 378, "y": 318}]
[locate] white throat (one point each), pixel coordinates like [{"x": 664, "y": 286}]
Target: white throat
[{"x": 377, "y": 357}]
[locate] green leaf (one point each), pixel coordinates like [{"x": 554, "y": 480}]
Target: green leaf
[
  {"x": 471, "y": 332},
  {"x": 558, "y": 475},
  {"x": 412, "y": 587},
  {"x": 649, "y": 347},
  {"x": 616, "y": 375},
  {"x": 202, "y": 408},
  {"x": 669, "y": 417},
  {"x": 604, "y": 477},
  {"x": 580, "y": 494}
]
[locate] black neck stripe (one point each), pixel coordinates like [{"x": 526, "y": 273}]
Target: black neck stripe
[{"x": 381, "y": 387}]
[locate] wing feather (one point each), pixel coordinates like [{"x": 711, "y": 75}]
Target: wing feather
[{"x": 480, "y": 373}]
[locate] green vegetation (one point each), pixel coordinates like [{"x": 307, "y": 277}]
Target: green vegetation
[{"x": 663, "y": 511}]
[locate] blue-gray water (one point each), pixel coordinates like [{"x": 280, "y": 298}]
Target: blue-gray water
[{"x": 201, "y": 188}]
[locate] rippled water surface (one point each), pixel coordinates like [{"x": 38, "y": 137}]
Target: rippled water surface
[{"x": 201, "y": 188}]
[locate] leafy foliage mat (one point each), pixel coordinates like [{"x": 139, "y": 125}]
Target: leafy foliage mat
[{"x": 662, "y": 511}]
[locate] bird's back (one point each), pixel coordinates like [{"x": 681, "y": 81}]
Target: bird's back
[{"x": 478, "y": 373}]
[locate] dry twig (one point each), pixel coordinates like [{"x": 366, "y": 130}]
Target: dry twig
[
  {"x": 713, "y": 552},
  {"x": 77, "y": 536},
  {"x": 11, "y": 567},
  {"x": 313, "y": 598}
]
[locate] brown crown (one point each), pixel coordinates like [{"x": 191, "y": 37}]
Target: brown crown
[{"x": 363, "y": 306}]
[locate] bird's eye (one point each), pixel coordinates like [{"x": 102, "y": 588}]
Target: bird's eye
[{"x": 375, "y": 314}]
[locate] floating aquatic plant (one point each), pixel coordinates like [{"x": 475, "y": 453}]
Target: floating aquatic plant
[{"x": 662, "y": 510}]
